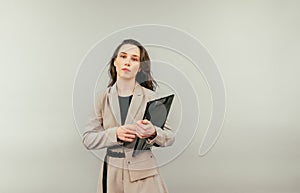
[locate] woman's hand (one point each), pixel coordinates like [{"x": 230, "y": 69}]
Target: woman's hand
[
  {"x": 126, "y": 132},
  {"x": 145, "y": 129}
]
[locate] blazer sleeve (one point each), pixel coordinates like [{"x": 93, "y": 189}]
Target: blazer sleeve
[
  {"x": 95, "y": 136},
  {"x": 164, "y": 137}
]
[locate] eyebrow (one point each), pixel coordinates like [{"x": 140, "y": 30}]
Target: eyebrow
[{"x": 132, "y": 54}]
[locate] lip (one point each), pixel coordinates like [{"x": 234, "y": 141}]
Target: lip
[{"x": 125, "y": 69}]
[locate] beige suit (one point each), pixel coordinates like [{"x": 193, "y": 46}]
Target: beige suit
[{"x": 137, "y": 174}]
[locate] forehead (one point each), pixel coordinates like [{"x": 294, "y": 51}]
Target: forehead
[{"x": 130, "y": 49}]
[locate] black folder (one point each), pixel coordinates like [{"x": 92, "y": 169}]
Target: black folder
[{"x": 157, "y": 112}]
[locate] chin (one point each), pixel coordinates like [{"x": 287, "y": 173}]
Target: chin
[{"x": 127, "y": 77}]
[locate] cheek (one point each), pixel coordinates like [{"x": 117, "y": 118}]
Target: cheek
[
  {"x": 117, "y": 66},
  {"x": 137, "y": 66},
  {"x": 136, "y": 69}
]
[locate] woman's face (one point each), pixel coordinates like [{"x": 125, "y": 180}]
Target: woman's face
[{"x": 127, "y": 62}]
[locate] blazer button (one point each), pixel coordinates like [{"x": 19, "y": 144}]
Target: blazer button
[{"x": 128, "y": 162}]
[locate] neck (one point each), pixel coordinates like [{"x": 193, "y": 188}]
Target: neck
[{"x": 125, "y": 87}]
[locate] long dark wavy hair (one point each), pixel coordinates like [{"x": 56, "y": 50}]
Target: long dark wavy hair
[{"x": 143, "y": 77}]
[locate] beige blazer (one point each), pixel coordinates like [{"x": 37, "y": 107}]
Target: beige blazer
[{"x": 102, "y": 124}]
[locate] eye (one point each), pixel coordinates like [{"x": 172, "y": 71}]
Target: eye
[
  {"x": 123, "y": 56},
  {"x": 135, "y": 59}
]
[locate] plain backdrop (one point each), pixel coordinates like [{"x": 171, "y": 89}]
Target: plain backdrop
[{"x": 255, "y": 44}]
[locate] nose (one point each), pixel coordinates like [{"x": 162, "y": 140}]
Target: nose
[{"x": 127, "y": 62}]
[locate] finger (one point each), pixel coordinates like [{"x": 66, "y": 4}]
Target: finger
[
  {"x": 129, "y": 139},
  {"x": 142, "y": 122},
  {"x": 140, "y": 135},
  {"x": 129, "y": 132},
  {"x": 130, "y": 136},
  {"x": 131, "y": 127},
  {"x": 145, "y": 121},
  {"x": 139, "y": 122},
  {"x": 141, "y": 126}
]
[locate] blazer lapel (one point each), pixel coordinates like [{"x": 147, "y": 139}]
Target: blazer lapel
[
  {"x": 114, "y": 103},
  {"x": 134, "y": 106}
]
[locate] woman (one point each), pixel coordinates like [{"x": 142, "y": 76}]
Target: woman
[{"x": 118, "y": 122}]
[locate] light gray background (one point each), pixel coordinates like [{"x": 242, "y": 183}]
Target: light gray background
[{"x": 255, "y": 43}]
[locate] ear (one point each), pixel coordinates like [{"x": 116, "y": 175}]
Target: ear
[{"x": 114, "y": 62}]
